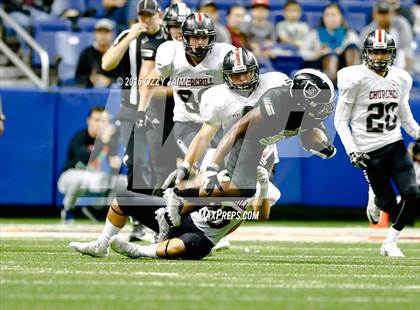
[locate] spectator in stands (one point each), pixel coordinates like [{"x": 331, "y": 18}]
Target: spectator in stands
[
  {"x": 2, "y": 119},
  {"x": 291, "y": 30},
  {"x": 236, "y": 15},
  {"x": 209, "y": 7},
  {"x": 90, "y": 151},
  {"x": 332, "y": 45},
  {"x": 261, "y": 32},
  {"x": 89, "y": 72},
  {"x": 116, "y": 10},
  {"x": 402, "y": 10},
  {"x": 384, "y": 18}
]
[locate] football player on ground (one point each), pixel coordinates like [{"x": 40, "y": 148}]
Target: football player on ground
[
  {"x": 299, "y": 107},
  {"x": 374, "y": 101},
  {"x": 194, "y": 238}
]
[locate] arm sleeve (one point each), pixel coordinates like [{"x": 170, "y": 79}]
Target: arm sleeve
[
  {"x": 148, "y": 50},
  {"x": 208, "y": 110},
  {"x": 347, "y": 96},
  {"x": 407, "y": 120},
  {"x": 164, "y": 58}
]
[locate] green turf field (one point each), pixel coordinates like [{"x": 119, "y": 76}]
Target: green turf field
[{"x": 44, "y": 274}]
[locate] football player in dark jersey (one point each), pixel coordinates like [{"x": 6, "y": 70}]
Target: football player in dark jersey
[{"x": 298, "y": 108}]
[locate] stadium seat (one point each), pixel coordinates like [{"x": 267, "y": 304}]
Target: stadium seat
[
  {"x": 355, "y": 6},
  {"x": 87, "y": 24},
  {"x": 356, "y": 21},
  {"x": 287, "y": 64},
  {"x": 44, "y": 33},
  {"x": 313, "y": 18},
  {"x": 69, "y": 45}
]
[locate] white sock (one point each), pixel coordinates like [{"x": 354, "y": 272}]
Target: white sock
[
  {"x": 148, "y": 250},
  {"x": 392, "y": 236},
  {"x": 108, "y": 231}
]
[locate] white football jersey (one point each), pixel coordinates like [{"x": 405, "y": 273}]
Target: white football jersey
[
  {"x": 377, "y": 107},
  {"x": 216, "y": 223},
  {"x": 222, "y": 106},
  {"x": 189, "y": 82}
]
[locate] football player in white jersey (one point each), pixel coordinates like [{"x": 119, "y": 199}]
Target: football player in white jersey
[
  {"x": 197, "y": 233},
  {"x": 222, "y": 105},
  {"x": 374, "y": 101},
  {"x": 193, "y": 65}
]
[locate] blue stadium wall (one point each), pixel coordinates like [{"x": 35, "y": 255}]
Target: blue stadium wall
[{"x": 40, "y": 124}]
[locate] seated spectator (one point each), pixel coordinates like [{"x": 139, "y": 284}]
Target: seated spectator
[
  {"x": 385, "y": 18},
  {"x": 89, "y": 72},
  {"x": 332, "y": 45},
  {"x": 236, "y": 15},
  {"x": 291, "y": 30},
  {"x": 261, "y": 32},
  {"x": 90, "y": 151},
  {"x": 209, "y": 7}
]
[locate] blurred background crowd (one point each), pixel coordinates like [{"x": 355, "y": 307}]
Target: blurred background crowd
[{"x": 284, "y": 34}]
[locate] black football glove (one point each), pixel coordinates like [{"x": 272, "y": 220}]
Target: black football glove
[
  {"x": 210, "y": 181},
  {"x": 144, "y": 122},
  {"x": 359, "y": 159}
]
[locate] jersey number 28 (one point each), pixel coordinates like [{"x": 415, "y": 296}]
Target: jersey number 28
[{"x": 376, "y": 122}]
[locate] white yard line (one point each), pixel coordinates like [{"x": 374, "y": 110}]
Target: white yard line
[{"x": 248, "y": 233}]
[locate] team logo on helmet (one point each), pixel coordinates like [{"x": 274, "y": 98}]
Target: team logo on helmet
[{"x": 310, "y": 90}]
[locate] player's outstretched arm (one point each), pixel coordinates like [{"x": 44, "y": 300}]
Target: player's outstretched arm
[
  {"x": 236, "y": 132},
  {"x": 113, "y": 56},
  {"x": 408, "y": 122},
  {"x": 147, "y": 90}
]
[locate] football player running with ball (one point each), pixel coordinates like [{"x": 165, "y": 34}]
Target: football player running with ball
[{"x": 374, "y": 101}]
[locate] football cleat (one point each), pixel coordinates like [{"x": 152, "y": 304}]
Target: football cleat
[
  {"x": 373, "y": 212},
  {"x": 94, "y": 248},
  {"x": 163, "y": 225},
  {"x": 223, "y": 244},
  {"x": 125, "y": 248},
  {"x": 173, "y": 205},
  {"x": 391, "y": 249}
]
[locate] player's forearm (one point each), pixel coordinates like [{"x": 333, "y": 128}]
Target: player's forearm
[
  {"x": 226, "y": 144},
  {"x": 113, "y": 56},
  {"x": 408, "y": 122},
  {"x": 148, "y": 89},
  {"x": 341, "y": 123},
  {"x": 199, "y": 144}
]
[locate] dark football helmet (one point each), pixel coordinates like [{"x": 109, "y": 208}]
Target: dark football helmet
[
  {"x": 198, "y": 24},
  {"x": 240, "y": 60},
  {"x": 314, "y": 92},
  {"x": 379, "y": 40},
  {"x": 175, "y": 16}
]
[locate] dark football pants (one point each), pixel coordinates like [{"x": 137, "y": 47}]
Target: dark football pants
[
  {"x": 393, "y": 162},
  {"x": 142, "y": 208},
  {"x": 161, "y": 141},
  {"x": 134, "y": 141}
]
